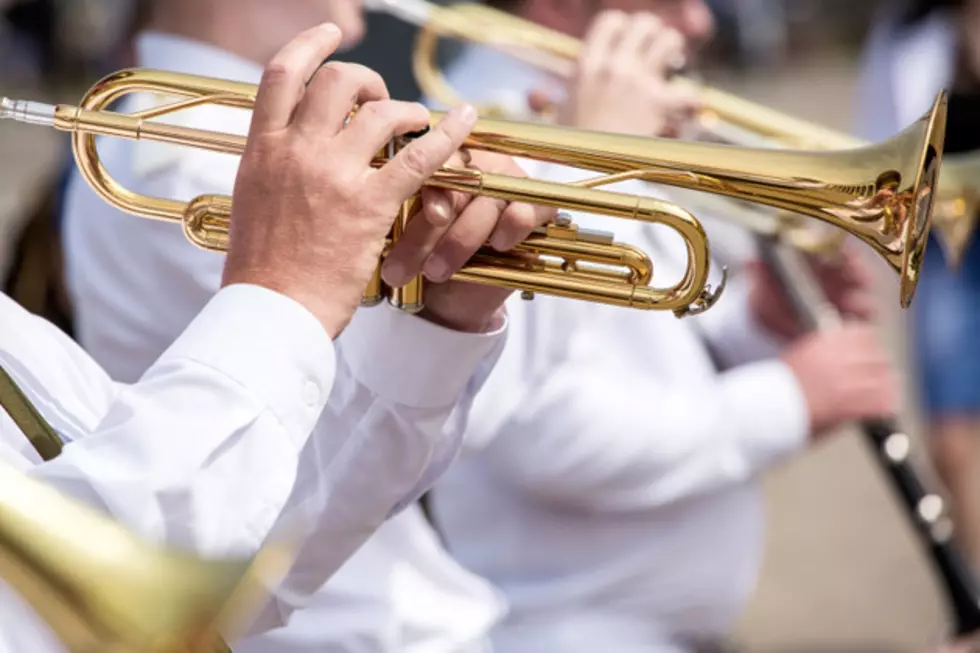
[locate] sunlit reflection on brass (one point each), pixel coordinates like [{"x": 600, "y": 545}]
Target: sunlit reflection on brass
[
  {"x": 100, "y": 588},
  {"x": 723, "y": 116},
  {"x": 882, "y": 194},
  {"x": 560, "y": 260}
]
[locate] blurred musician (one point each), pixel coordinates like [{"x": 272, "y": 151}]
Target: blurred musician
[
  {"x": 136, "y": 283},
  {"x": 921, "y": 47},
  {"x": 234, "y": 431},
  {"x": 612, "y": 491}
]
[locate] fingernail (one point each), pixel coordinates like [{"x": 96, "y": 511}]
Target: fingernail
[
  {"x": 439, "y": 211},
  {"x": 436, "y": 269},
  {"x": 330, "y": 28},
  {"x": 393, "y": 273},
  {"x": 467, "y": 113}
]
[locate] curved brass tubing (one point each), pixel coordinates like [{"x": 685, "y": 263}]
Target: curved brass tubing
[
  {"x": 207, "y": 219},
  {"x": 883, "y": 194},
  {"x": 723, "y": 116}
]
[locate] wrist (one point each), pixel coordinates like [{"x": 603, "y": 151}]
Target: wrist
[{"x": 331, "y": 315}]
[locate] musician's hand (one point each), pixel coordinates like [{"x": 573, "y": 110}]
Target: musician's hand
[
  {"x": 451, "y": 227},
  {"x": 846, "y": 282},
  {"x": 621, "y": 80},
  {"x": 844, "y": 375},
  {"x": 310, "y": 215}
]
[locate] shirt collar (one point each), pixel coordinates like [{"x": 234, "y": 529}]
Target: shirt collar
[{"x": 183, "y": 55}]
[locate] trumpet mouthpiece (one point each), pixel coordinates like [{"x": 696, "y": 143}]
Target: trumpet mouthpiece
[{"x": 33, "y": 113}]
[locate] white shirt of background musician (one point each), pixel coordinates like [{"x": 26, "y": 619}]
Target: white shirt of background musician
[
  {"x": 135, "y": 283},
  {"x": 611, "y": 491},
  {"x": 902, "y": 71}
]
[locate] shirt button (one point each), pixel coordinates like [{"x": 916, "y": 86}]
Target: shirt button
[{"x": 311, "y": 393}]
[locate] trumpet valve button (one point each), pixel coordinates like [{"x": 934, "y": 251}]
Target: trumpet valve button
[
  {"x": 562, "y": 220},
  {"x": 527, "y": 295}
]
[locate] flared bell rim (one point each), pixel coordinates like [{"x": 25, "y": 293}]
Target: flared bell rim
[{"x": 919, "y": 224}]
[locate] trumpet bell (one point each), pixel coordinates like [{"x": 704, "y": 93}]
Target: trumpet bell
[
  {"x": 100, "y": 588},
  {"x": 883, "y": 194}
]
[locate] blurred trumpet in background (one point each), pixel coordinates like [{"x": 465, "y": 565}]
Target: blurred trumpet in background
[{"x": 723, "y": 117}]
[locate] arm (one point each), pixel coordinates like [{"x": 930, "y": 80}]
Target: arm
[
  {"x": 600, "y": 434},
  {"x": 403, "y": 392},
  {"x": 65, "y": 384},
  {"x": 732, "y": 331},
  {"x": 202, "y": 452}
]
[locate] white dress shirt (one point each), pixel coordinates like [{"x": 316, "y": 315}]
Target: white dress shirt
[
  {"x": 135, "y": 284},
  {"x": 200, "y": 454},
  {"x": 611, "y": 491}
]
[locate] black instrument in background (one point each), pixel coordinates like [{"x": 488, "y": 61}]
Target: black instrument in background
[{"x": 891, "y": 447}]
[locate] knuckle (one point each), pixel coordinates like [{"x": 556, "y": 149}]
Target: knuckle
[
  {"x": 374, "y": 111},
  {"x": 616, "y": 17},
  {"x": 414, "y": 161},
  {"x": 650, "y": 19},
  {"x": 330, "y": 73},
  {"x": 296, "y": 151},
  {"x": 336, "y": 68},
  {"x": 457, "y": 246},
  {"x": 275, "y": 72},
  {"x": 417, "y": 111},
  {"x": 369, "y": 76}
]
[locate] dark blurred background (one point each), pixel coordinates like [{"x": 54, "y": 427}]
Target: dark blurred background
[{"x": 45, "y": 41}]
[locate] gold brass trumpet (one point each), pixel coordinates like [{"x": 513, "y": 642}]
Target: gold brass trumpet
[
  {"x": 560, "y": 259},
  {"x": 100, "y": 588},
  {"x": 723, "y": 116},
  {"x": 883, "y": 194}
]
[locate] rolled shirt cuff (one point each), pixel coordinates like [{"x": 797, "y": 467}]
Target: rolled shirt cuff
[
  {"x": 411, "y": 361},
  {"x": 270, "y": 344}
]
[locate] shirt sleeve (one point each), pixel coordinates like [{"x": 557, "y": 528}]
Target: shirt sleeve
[
  {"x": 392, "y": 424},
  {"x": 732, "y": 332},
  {"x": 603, "y": 435},
  {"x": 202, "y": 452},
  {"x": 402, "y": 397}
]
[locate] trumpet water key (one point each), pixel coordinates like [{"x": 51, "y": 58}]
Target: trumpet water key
[{"x": 883, "y": 194}]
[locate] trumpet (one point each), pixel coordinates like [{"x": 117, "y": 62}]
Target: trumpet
[
  {"x": 957, "y": 202},
  {"x": 100, "y": 588},
  {"x": 883, "y": 194},
  {"x": 724, "y": 117}
]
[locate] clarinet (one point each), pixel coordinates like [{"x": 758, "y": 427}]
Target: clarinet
[{"x": 890, "y": 445}]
